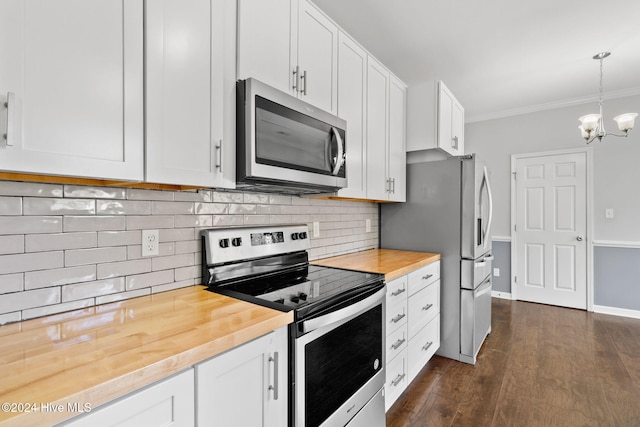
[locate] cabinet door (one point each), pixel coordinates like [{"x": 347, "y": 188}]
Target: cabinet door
[
  {"x": 166, "y": 403},
  {"x": 457, "y": 127},
  {"x": 317, "y": 57},
  {"x": 397, "y": 163},
  {"x": 445, "y": 107},
  {"x": 264, "y": 29},
  {"x": 74, "y": 72},
  {"x": 352, "y": 104},
  {"x": 377, "y": 101},
  {"x": 184, "y": 83},
  {"x": 246, "y": 386}
]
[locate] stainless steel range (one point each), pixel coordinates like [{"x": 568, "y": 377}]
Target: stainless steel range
[{"x": 336, "y": 343}]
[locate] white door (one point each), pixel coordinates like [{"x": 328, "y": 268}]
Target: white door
[{"x": 550, "y": 229}]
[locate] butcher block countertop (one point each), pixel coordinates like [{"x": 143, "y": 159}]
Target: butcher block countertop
[
  {"x": 390, "y": 262},
  {"x": 93, "y": 355}
]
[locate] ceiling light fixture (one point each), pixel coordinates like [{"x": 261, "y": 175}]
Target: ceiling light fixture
[{"x": 592, "y": 126}]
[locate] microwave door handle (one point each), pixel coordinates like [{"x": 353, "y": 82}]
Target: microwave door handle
[
  {"x": 340, "y": 157},
  {"x": 489, "y": 195}
]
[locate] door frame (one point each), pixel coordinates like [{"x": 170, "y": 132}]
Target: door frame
[{"x": 589, "y": 216}]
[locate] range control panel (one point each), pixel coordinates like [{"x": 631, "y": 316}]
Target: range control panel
[{"x": 239, "y": 243}]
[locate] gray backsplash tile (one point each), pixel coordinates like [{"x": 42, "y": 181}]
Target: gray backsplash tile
[{"x": 70, "y": 247}]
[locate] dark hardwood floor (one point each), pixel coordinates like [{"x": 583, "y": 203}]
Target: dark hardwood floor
[{"x": 540, "y": 366}]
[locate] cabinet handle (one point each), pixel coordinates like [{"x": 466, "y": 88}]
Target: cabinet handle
[
  {"x": 397, "y": 344},
  {"x": 398, "y": 318},
  {"x": 397, "y": 380},
  {"x": 274, "y": 387},
  {"x": 304, "y": 80},
  {"x": 398, "y": 292},
  {"x": 219, "y": 156},
  {"x": 427, "y": 277},
  {"x": 10, "y": 104},
  {"x": 296, "y": 78},
  {"x": 427, "y": 307},
  {"x": 393, "y": 182},
  {"x": 426, "y": 347},
  {"x": 454, "y": 142}
]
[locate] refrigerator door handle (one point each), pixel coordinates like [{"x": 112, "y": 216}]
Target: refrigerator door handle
[{"x": 486, "y": 234}]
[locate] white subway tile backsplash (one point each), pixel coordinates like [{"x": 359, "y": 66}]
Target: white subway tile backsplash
[
  {"x": 85, "y": 192},
  {"x": 149, "y": 222},
  {"x": 28, "y": 189},
  {"x": 30, "y": 262},
  {"x": 177, "y": 234},
  {"x": 123, "y": 295},
  {"x": 10, "y": 206},
  {"x": 29, "y": 299},
  {"x": 255, "y": 198},
  {"x": 94, "y": 255},
  {"x": 30, "y": 225},
  {"x": 242, "y": 209},
  {"x": 185, "y": 221},
  {"x": 256, "y": 220},
  {"x": 227, "y": 220},
  {"x": 16, "y": 316},
  {"x": 59, "y": 276},
  {"x": 57, "y": 206},
  {"x": 227, "y": 197},
  {"x": 60, "y": 241},
  {"x": 172, "y": 208},
  {"x": 119, "y": 238},
  {"x": 11, "y": 244},
  {"x": 185, "y": 273},
  {"x": 171, "y": 286},
  {"x": 172, "y": 261},
  {"x": 11, "y": 283},
  {"x": 123, "y": 268},
  {"x": 57, "y": 308},
  {"x": 188, "y": 247},
  {"x": 138, "y": 194},
  {"x": 97, "y": 288},
  {"x": 94, "y": 223},
  {"x": 123, "y": 207},
  {"x": 194, "y": 196},
  {"x": 211, "y": 208},
  {"x": 277, "y": 199},
  {"x": 149, "y": 279}
]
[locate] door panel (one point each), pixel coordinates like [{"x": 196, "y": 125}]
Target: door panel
[{"x": 550, "y": 231}]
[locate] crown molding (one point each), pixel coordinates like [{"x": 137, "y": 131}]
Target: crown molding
[{"x": 551, "y": 105}]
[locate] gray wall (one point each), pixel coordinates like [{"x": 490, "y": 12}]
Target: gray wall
[
  {"x": 64, "y": 247},
  {"x": 616, "y": 174},
  {"x": 501, "y": 260}
]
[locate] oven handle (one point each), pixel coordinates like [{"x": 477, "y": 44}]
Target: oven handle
[{"x": 351, "y": 310}]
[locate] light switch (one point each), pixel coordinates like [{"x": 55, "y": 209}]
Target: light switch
[
  {"x": 496, "y": 272},
  {"x": 608, "y": 213}
]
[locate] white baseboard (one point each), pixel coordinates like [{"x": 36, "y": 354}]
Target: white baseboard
[
  {"x": 503, "y": 295},
  {"x": 616, "y": 311}
]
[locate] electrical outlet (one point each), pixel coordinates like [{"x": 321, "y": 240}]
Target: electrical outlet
[
  {"x": 608, "y": 213},
  {"x": 150, "y": 243},
  {"x": 316, "y": 229},
  {"x": 367, "y": 225},
  {"x": 496, "y": 272}
]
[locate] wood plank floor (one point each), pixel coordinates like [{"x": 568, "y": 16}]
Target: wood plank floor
[{"x": 540, "y": 366}]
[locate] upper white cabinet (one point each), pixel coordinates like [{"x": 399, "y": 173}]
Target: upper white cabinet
[
  {"x": 190, "y": 75},
  {"x": 352, "y": 107},
  {"x": 72, "y": 73},
  {"x": 386, "y": 177},
  {"x": 435, "y": 119},
  {"x": 247, "y": 386},
  {"x": 290, "y": 45}
]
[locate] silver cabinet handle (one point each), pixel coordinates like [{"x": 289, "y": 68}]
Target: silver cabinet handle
[
  {"x": 427, "y": 277},
  {"x": 219, "y": 161},
  {"x": 398, "y": 318},
  {"x": 454, "y": 142},
  {"x": 398, "y": 292},
  {"x": 579, "y": 238},
  {"x": 426, "y": 346},
  {"x": 398, "y": 379},
  {"x": 393, "y": 181},
  {"x": 304, "y": 80},
  {"x": 397, "y": 344},
  {"x": 296, "y": 79},
  {"x": 10, "y": 104},
  {"x": 274, "y": 387},
  {"x": 427, "y": 307}
]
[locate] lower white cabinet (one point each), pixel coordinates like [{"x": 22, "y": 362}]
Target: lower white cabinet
[
  {"x": 166, "y": 403},
  {"x": 413, "y": 327},
  {"x": 246, "y": 386}
]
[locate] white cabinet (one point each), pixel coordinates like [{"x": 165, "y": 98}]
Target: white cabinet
[
  {"x": 189, "y": 78},
  {"x": 412, "y": 328},
  {"x": 435, "y": 119},
  {"x": 290, "y": 45},
  {"x": 247, "y": 386},
  {"x": 352, "y": 107},
  {"x": 169, "y": 402},
  {"x": 72, "y": 72},
  {"x": 386, "y": 177}
]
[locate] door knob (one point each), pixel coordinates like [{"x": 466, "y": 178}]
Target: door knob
[{"x": 579, "y": 238}]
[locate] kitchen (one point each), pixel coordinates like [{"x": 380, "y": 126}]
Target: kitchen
[{"x": 86, "y": 239}]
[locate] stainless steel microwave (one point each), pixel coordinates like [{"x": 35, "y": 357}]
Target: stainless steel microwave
[{"x": 286, "y": 145}]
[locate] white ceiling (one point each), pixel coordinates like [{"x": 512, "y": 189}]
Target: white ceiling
[{"x": 502, "y": 57}]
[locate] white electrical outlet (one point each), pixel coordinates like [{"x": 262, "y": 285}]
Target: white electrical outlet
[
  {"x": 316, "y": 229},
  {"x": 496, "y": 272},
  {"x": 608, "y": 213},
  {"x": 150, "y": 243},
  {"x": 367, "y": 225}
]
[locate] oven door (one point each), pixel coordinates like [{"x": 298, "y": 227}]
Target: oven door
[
  {"x": 339, "y": 363},
  {"x": 287, "y": 139}
]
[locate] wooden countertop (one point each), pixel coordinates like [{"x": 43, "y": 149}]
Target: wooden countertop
[
  {"x": 96, "y": 354},
  {"x": 390, "y": 262}
]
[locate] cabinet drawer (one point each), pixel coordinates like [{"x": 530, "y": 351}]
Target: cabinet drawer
[
  {"x": 423, "y": 346},
  {"x": 423, "y": 277},
  {"x": 396, "y": 316},
  {"x": 396, "y": 342},
  {"x": 423, "y": 306},
  {"x": 396, "y": 379},
  {"x": 397, "y": 290}
]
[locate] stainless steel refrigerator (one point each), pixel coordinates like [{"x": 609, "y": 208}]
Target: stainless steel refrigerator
[{"x": 448, "y": 210}]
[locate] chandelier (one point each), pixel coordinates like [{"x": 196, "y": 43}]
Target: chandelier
[{"x": 592, "y": 126}]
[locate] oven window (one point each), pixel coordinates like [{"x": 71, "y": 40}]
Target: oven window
[
  {"x": 279, "y": 133},
  {"x": 341, "y": 361}
]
